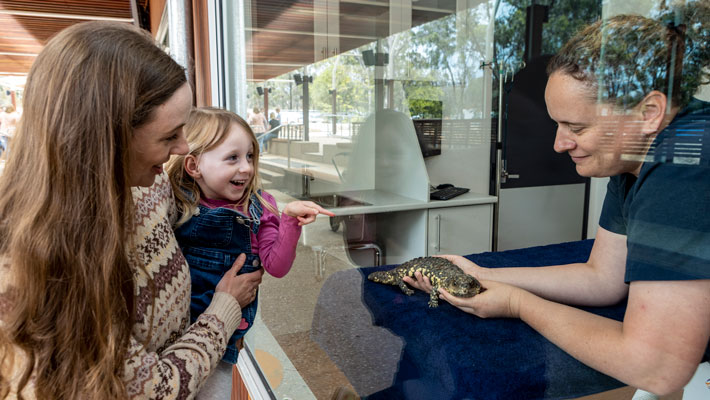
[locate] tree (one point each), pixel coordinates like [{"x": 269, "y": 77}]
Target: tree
[
  {"x": 565, "y": 18},
  {"x": 351, "y": 85}
]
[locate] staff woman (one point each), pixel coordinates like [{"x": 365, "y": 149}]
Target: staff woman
[{"x": 621, "y": 92}]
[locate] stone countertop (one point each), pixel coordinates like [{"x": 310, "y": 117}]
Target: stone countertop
[{"x": 378, "y": 201}]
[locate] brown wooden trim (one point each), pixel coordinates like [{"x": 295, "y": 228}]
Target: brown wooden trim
[
  {"x": 156, "y": 8},
  {"x": 190, "y": 48},
  {"x": 94, "y": 8},
  {"x": 200, "y": 36},
  {"x": 239, "y": 389}
]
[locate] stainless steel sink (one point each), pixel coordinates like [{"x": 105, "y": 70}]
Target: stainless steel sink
[{"x": 333, "y": 200}]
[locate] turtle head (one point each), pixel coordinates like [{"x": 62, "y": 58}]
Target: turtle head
[{"x": 463, "y": 285}]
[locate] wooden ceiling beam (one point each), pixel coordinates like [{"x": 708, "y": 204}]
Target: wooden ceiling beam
[
  {"x": 280, "y": 39},
  {"x": 64, "y": 16},
  {"x": 96, "y": 8},
  {"x": 29, "y": 24}
]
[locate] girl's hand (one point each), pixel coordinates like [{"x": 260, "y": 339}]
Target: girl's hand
[
  {"x": 422, "y": 282},
  {"x": 498, "y": 300},
  {"x": 241, "y": 287},
  {"x": 305, "y": 211}
]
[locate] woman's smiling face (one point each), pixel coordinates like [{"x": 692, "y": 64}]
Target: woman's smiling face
[
  {"x": 601, "y": 139},
  {"x": 162, "y": 136}
]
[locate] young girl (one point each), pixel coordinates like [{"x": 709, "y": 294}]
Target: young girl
[{"x": 224, "y": 213}]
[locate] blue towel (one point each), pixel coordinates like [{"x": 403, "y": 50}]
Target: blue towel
[{"x": 448, "y": 354}]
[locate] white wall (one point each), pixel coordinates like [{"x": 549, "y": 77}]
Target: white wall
[{"x": 597, "y": 191}]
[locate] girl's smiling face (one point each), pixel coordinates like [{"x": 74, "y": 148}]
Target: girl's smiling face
[{"x": 225, "y": 171}]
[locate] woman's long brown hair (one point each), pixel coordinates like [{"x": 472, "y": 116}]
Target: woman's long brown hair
[{"x": 66, "y": 211}]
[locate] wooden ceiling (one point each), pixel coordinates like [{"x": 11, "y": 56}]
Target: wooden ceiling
[
  {"x": 27, "y": 25},
  {"x": 282, "y": 35}
]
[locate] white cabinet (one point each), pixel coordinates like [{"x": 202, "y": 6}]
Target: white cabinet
[
  {"x": 406, "y": 228},
  {"x": 459, "y": 230},
  {"x": 326, "y": 29}
]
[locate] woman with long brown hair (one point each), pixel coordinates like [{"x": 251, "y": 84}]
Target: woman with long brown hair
[{"x": 94, "y": 291}]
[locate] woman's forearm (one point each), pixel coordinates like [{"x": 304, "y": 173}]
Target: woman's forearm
[
  {"x": 656, "y": 348},
  {"x": 577, "y": 284}
]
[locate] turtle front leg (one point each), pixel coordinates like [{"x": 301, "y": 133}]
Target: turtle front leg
[
  {"x": 402, "y": 285},
  {"x": 434, "y": 297}
]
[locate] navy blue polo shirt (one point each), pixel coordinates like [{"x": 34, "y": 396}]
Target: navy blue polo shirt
[{"x": 665, "y": 212}]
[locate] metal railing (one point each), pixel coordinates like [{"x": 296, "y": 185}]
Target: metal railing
[{"x": 291, "y": 131}]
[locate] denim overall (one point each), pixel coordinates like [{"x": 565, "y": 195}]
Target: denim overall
[{"x": 211, "y": 242}]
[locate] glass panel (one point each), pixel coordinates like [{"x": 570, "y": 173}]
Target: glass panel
[{"x": 361, "y": 106}]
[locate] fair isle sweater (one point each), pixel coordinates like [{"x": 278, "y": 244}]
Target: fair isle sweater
[{"x": 178, "y": 357}]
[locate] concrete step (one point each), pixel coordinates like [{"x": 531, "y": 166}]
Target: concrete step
[
  {"x": 329, "y": 152},
  {"x": 280, "y": 147},
  {"x": 280, "y": 164},
  {"x": 314, "y": 156},
  {"x": 270, "y": 164},
  {"x": 272, "y": 174},
  {"x": 267, "y": 184},
  {"x": 344, "y": 145}
]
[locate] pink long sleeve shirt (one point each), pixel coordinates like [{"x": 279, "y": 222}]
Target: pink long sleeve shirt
[{"x": 276, "y": 241}]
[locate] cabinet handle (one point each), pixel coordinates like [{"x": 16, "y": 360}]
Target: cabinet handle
[{"x": 438, "y": 232}]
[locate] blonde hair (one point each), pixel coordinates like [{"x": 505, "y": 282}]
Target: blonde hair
[
  {"x": 207, "y": 128},
  {"x": 66, "y": 236}
]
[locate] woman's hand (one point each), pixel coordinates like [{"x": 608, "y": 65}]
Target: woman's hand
[
  {"x": 305, "y": 211},
  {"x": 241, "y": 287},
  {"x": 497, "y": 300},
  {"x": 422, "y": 282}
]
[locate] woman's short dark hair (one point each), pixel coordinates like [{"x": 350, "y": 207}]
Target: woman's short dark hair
[{"x": 625, "y": 57}]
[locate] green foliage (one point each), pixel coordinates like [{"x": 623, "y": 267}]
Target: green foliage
[
  {"x": 351, "y": 85},
  {"x": 425, "y": 109},
  {"x": 565, "y": 18},
  {"x": 434, "y": 61},
  {"x": 445, "y": 57}
]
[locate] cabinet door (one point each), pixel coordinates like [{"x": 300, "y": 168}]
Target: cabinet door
[{"x": 459, "y": 230}]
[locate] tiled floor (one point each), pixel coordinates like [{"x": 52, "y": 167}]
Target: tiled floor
[
  {"x": 317, "y": 370},
  {"x": 287, "y": 305}
]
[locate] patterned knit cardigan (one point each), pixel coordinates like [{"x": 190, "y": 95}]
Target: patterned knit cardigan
[{"x": 179, "y": 356}]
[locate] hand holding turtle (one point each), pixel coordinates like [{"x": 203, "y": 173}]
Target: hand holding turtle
[
  {"x": 423, "y": 283},
  {"x": 498, "y": 300}
]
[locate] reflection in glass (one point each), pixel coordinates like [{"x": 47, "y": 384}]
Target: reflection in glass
[{"x": 375, "y": 100}]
